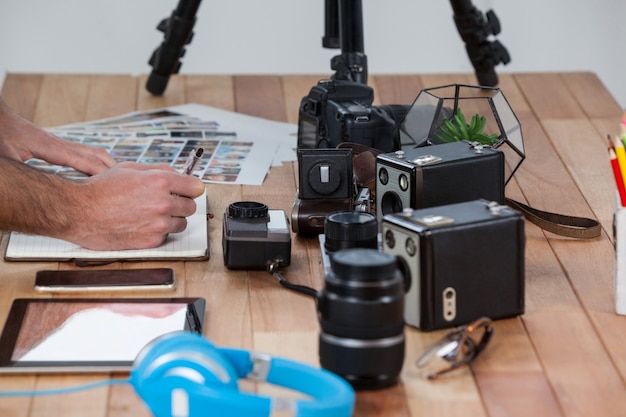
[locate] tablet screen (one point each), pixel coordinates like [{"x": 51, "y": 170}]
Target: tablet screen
[{"x": 70, "y": 335}]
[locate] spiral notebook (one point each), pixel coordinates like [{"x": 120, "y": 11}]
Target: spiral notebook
[{"x": 192, "y": 244}]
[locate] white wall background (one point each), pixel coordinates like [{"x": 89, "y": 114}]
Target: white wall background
[{"x": 284, "y": 37}]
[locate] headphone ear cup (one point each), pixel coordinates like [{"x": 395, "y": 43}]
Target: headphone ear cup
[{"x": 176, "y": 359}]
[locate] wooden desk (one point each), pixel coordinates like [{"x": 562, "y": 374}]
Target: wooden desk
[{"x": 564, "y": 357}]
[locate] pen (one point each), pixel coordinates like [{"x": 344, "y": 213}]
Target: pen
[{"x": 192, "y": 161}]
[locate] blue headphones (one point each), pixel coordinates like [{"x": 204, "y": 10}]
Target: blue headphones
[{"x": 182, "y": 374}]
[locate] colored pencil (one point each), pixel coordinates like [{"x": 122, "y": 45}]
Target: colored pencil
[
  {"x": 620, "y": 152},
  {"x": 619, "y": 181}
]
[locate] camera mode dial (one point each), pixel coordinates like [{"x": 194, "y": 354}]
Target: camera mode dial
[{"x": 325, "y": 177}]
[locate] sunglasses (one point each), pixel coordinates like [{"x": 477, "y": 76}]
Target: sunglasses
[{"x": 458, "y": 348}]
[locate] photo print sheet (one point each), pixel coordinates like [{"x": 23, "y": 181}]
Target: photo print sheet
[{"x": 238, "y": 149}]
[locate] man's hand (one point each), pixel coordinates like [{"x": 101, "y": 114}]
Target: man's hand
[
  {"x": 132, "y": 206},
  {"x": 21, "y": 140}
]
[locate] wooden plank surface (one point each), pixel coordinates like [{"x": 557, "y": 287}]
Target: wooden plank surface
[{"x": 563, "y": 357}]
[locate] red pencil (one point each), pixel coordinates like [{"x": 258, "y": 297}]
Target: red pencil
[{"x": 618, "y": 176}]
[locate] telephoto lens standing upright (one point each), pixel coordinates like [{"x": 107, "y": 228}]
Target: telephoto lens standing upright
[{"x": 361, "y": 311}]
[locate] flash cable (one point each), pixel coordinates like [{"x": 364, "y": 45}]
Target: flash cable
[{"x": 272, "y": 269}]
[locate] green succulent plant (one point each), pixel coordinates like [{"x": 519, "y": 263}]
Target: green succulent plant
[{"x": 456, "y": 129}]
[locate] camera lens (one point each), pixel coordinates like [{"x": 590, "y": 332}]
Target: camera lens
[
  {"x": 390, "y": 203},
  {"x": 362, "y": 318},
  {"x": 350, "y": 229}
]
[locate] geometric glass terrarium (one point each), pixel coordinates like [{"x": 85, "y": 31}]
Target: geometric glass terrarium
[{"x": 436, "y": 114}]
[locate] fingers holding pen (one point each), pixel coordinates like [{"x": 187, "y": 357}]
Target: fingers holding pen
[
  {"x": 188, "y": 186},
  {"x": 178, "y": 193},
  {"x": 182, "y": 206},
  {"x": 167, "y": 178}
]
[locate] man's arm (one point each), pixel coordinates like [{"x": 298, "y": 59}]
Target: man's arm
[{"x": 129, "y": 206}]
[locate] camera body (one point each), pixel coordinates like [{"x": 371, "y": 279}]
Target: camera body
[
  {"x": 254, "y": 236},
  {"x": 326, "y": 185},
  {"x": 436, "y": 175},
  {"x": 338, "y": 111},
  {"x": 464, "y": 261}
]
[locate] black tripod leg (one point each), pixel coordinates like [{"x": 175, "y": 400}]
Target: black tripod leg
[
  {"x": 475, "y": 30},
  {"x": 331, "y": 25},
  {"x": 345, "y": 19},
  {"x": 178, "y": 32}
]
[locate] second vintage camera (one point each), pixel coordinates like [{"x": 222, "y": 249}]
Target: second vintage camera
[
  {"x": 254, "y": 236},
  {"x": 436, "y": 175},
  {"x": 463, "y": 261},
  {"x": 326, "y": 185}
]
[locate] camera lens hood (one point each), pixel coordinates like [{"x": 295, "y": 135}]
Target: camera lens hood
[
  {"x": 350, "y": 229},
  {"x": 247, "y": 210}
]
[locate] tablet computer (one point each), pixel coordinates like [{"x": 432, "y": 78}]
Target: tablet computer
[{"x": 67, "y": 335}]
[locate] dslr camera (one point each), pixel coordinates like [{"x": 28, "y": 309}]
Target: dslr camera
[
  {"x": 326, "y": 185},
  {"x": 254, "y": 236},
  {"x": 338, "y": 111}
]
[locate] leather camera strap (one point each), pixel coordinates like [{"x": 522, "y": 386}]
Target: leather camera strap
[
  {"x": 364, "y": 167},
  {"x": 560, "y": 224},
  {"x": 363, "y": 164}
]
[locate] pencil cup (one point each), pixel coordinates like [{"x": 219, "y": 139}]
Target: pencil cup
[{"x": 619, "y": 237}]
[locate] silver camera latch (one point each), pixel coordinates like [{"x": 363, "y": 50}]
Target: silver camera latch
[
  {"x": 496, "y": 208},
  {"x": 478, "y": 147},
  {"x": 426, "y": 160},
  {"x": 434, "y": 220},
  {"x": 420, "y": 160}
]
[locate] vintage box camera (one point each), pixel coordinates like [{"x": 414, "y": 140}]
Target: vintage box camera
[
  {"x": 326, "y": 185},
  {"x": 338, "y": 111},
  {"x": 462, "y": 261},
  {"x": 436, "y": 175},
  {"x": 254, "y": 236}
]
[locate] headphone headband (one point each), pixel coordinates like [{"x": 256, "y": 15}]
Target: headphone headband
[{"x": 182, "y": 374}]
